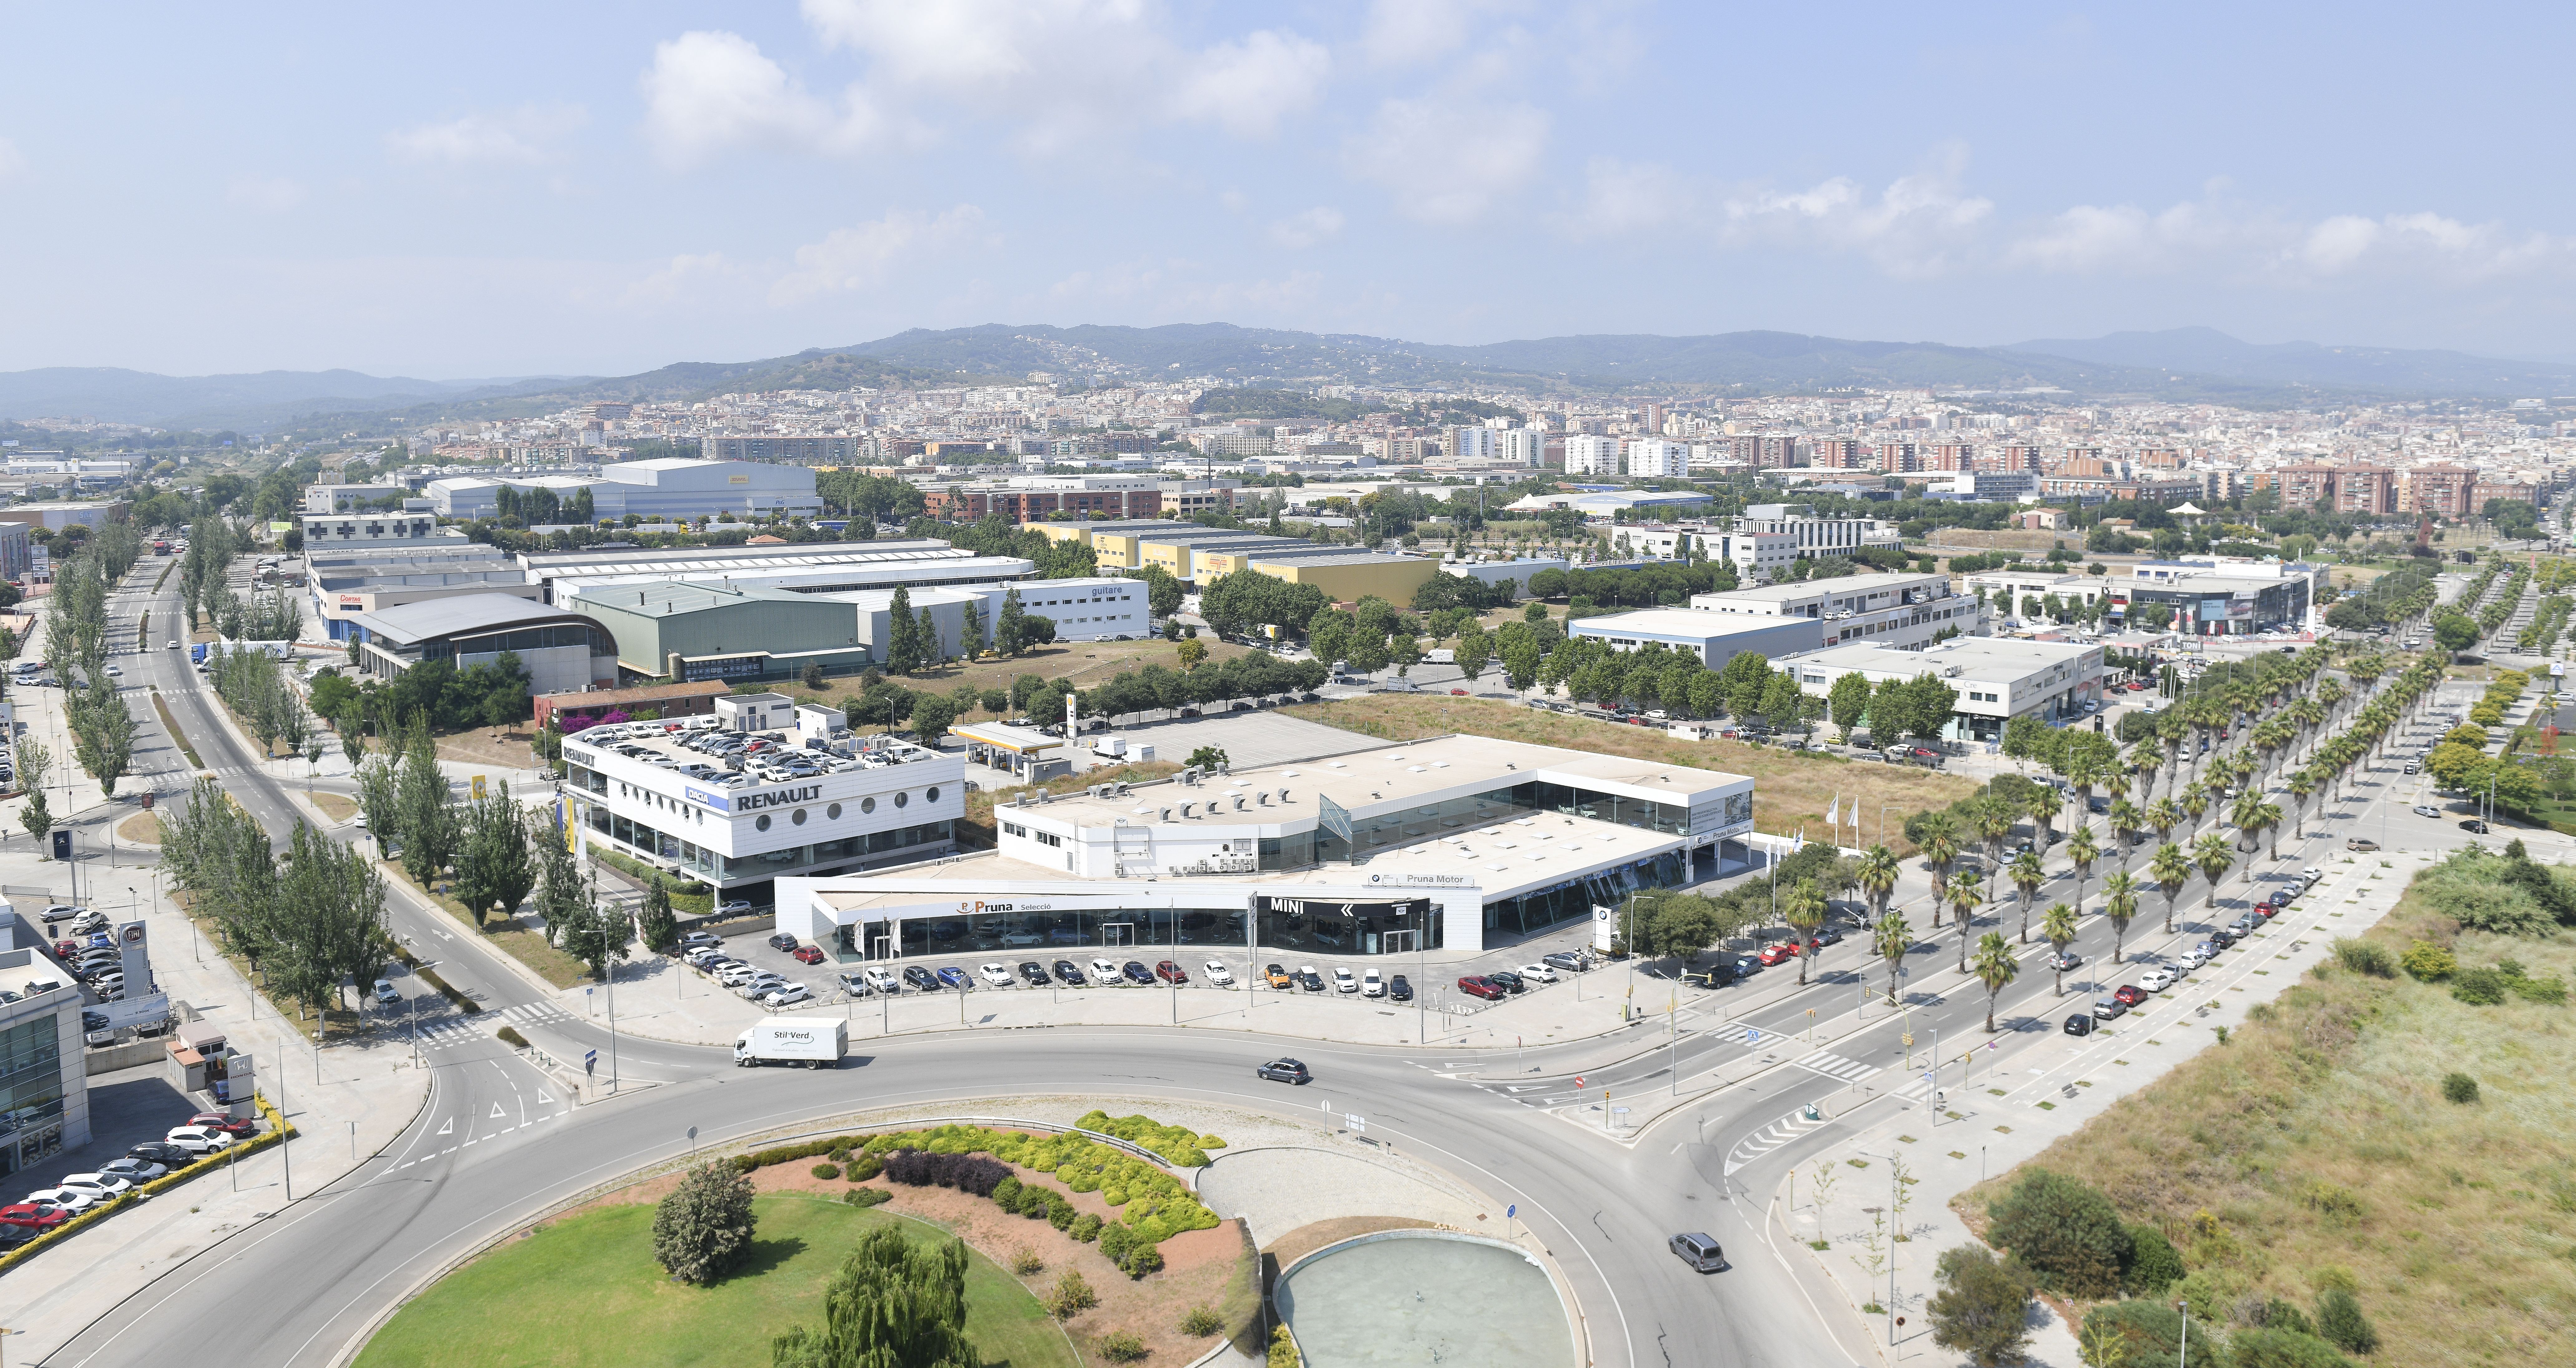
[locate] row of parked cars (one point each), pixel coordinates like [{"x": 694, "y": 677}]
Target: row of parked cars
[
  {"x": 887, "y": 981},
  {"x": 89, "y": 952},
  {"x": 2158, "y": 979},
  {"x": 205, "y": 1133},
  {"x": 704, "y": 951}
]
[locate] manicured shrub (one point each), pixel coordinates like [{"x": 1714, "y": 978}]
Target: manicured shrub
[
  {"x": 860, "y": 1168},
  {"x": 1115, "y": 1241},
  {"x": 1141, "y": 1260},
  {"x": 2428, "y": 961},
  {"x": 827, "y": 1170},
  {"x": 1085, "y": 1227},
  {"x": 2478, "y": 987},
  {"x": 867, "y": 1197},
  {"x": 1119, "y": 1346},
  {"x": 2460, "y": 1088},
  {"x": 1201, "y": 1321},
  {"x": 1006, "y": 1194},
  {"x": 1025, "y": 1262},
  {"x": 1071, "y": 1296},
  {"x": 964, "y": 1172},
  {"x": 1209, "y": 1142}
]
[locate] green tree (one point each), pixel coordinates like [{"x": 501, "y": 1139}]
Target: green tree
[
  {"x": 1010, "y": 625},
  {"x": 903, "y": 633},
  {"x": 2065, "y": 1231},
  {"x": 1805, "y": 912},
  {"x": 1891, "y": 938},
  {"x": 2339, "y": 1320},
  {"x": 2120, "y": 904},
  {"x": 596, "y": 935},
  {"x": 2171, "y": 869},
  {"x": 704, "y": 1227},
  {"x": 1983, "y": 1306},
  {"x": 932, "y": 715},
  {"x": 2215, "y": 857},
  {"x": 424, "y": 817},
  {"x": 1474, "y": 651},
  {"x": 380, "y": 795},
  {"x": 1207, "y": 758},
  {"x": 893, "y": 1304},
  {"x": 2027, "y": 875},
  {"x": 2057, "y": 927},
  {"x": 1848, "y": 701},
  {"x": 661, "y": 930}
]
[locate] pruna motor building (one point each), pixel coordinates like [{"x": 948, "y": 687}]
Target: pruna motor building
[{"x": 1456, "y": 844}]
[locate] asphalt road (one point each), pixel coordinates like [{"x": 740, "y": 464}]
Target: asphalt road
[{"x": 494, "y": 1146}]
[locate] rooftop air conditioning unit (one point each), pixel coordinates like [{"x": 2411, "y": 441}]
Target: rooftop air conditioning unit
[
  {"x": 1122, "y": 788},
  {"x": 1167, "y": 814},
  {"x": 1283, "y": 795},
  {"x": 1187, "y": 808},
  {"x": 1238, "y": 802},
  {"x": 1265, "y": 797}
]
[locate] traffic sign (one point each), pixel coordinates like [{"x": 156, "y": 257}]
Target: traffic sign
[
  {"x": 1511, "y": 1211},
  {"x": 1753, "y": 1035},
  {"x": 590, "y": 1062},
  {"x": 1357, "y": 1123}
]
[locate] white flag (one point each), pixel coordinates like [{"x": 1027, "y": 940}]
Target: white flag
[{"x": 1833, "y": 811}]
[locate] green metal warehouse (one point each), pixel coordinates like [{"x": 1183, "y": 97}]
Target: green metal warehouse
[{"x": 686, "y": 632}]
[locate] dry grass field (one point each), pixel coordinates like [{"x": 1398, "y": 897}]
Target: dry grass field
[
  {"x": 1790, "y": 788},
  {"x": 2315, "y": 1147}
]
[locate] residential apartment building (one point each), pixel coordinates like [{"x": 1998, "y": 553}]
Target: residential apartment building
[
  {"x": 2308, "y": 484},
  {"x": 1840, "y": 453},
  {"x": 1657, "y": 457},
  {"x": 1520, "y": 446},
  {"x": 1030, "y": 498},
  {"x": 2365, "y": 489},
  {"x": 1591, "y": 455},
  {"x": 2440, "y": 490}
]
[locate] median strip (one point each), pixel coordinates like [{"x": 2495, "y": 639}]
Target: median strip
[{"x": 170, "y": 724}]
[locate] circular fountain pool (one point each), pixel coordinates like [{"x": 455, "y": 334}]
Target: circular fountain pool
[{"x": 1413, "y": 1297}]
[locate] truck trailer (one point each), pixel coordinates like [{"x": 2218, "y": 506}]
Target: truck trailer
[{"x": 815, "y": 1042}]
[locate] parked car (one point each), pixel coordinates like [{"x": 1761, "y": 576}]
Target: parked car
[
  {"x": 1168, "y": 971},
  {"x": 2109, "y": 1009},
  {"x": 1218, "y": 974},
  {"x": 882, "y": 979},
  {"x": 1284, "y": 1071},
  {"x": 695, "y": 939},
  {"x": 998, "y": 975},
  {"x": 1344, "y": 981},
  {"x": 1371, "y": 985},
  {"x": 1563, "y": 959},
  {"x": 1134, "y": 971},
  {"x": 1033, "y": 974},
  {"x": 33, "y": 1216},
  {"x": 2129, "y": 994},
  {"x": 919, "y": 979},
  {"x": 953, "y": 976},
  {"x": 854, "y": 983},
  {"x": 100, "y": 1186},
  {"x": 1308, "y": 979},
  {"x": 787, "y": 996},
  {"x": 738, "y": 905},
  {"x": 1399, "y": 989},
  {"x": 806, "y": 954},
  {"x": 160, "y": 1152},
  {"x": 59, "y": 911},
  {"x": 2360, "y": 845},
  {"x": 1778, "y": 952},
  {"x": 1278, "y": 977},
  {"x": 62, "y": 1199},
  {"x": 2474, "y": 826},
  {"x": 198, "y": 1139},
  {"x": 1542, "y": 972},
  {"x": 2079, "y": 1025},
  {"x": 1069, "y": 974},
  {"x": 2157, "y": 980},
  {"x": 1477, "y": 986},
  {"x": 240, "y": 1127}
]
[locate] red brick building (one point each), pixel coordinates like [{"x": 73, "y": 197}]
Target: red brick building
[{"x": 1033, "y": 501}]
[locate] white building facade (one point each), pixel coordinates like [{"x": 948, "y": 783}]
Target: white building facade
[{"x": 1902, "y": 612}]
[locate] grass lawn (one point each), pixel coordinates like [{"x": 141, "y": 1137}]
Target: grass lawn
[
  {"x": 584, "y": 1292},
  {"x": 2315, "y": 1146},
  {"x": 1790, "y": 788}
]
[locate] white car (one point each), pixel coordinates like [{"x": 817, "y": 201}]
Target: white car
[
  {"x": 199, "y": 1139},
  {"x": 2157, "y": 980},
  {"x": 1541, "y": 972},
  {"x": 788, "y": 996},
  {"x": 998, "y": 975},
  {"x": 115, "y": 672},
  {"x": 736, "y": 975},
  {"x": 100, "y": 1186},
  {"x": 68, "y": 1200},
  {"x": 387, "y": 995},
  {"x": 1106, "y": 971},
  {"x": 1371, "y": 985},
  {"x": 2427, "y": 810},
  {"x": 882, "y": 979},
  {"x": 1343, "y": 981},
  {"x": 1218, "y": 974}
]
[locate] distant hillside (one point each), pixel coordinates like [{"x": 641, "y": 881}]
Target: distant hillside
[
  {"x": 2207, "y": 351},
  {"x": 232, "y": 401}
]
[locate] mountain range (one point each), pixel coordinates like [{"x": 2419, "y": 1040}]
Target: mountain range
[{"x": 2182, "y": 364}]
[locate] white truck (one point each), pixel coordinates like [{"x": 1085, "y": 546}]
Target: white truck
[{"x": 815, "y": 1042}]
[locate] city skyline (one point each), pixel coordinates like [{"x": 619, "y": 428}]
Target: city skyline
[{"x": 606, "y": 193}]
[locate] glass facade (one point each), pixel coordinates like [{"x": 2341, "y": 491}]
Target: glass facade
[
  {"x": 1546, "y": 907},
  {"x": 687, "y": 855},
  {"x": 31, "y": 1092},
  {"x": 1333, "y": 927}
]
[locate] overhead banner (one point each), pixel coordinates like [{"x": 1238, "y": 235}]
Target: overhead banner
[{"x": 1334, "y": 907}]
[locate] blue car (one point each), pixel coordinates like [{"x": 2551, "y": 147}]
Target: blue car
[
  {"x": 953, "y": 976},
  {"x": 99, "y": 940}
]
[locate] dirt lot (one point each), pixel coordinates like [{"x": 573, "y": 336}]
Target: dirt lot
[
  {"x": 143, "y": 828},
  {"x": 1212, "y": 1268},
  {"x": 1790, "y": 788},
  {"x": 1085, "y": 663},
  {"x": 2006, "y": 539}
]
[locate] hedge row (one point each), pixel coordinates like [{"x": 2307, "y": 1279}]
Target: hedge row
[
  {"x": 1157, "y": 1205},
  {"x": 964, "y": 1172}
]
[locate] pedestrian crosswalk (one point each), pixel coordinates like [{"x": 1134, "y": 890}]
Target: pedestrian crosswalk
[
  {"x": 1772, "y": 1137},
  {"x": 1835, "y": 1066},
  {"x": 534, "y": 1014},
  {"x": 447, "y": 1033}
]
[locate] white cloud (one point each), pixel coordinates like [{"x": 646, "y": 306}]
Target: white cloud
[
  {"x": 1921, "y": 225},
  {"x": 1066, "y": 71},
  {"x": 1411, "y": 32},
  {"x": 1447, "y": 158},
  {"x": 10, "y": 161},
  {"x": 709, "y": 92},
  {"x": 864, "y": 256},
  {"x": 517, "y": 138},
  {"x": 1248, "y": 87},
  {"x": 2248, "y": 242},
  {"x": 1308, "y": 228},
  {"x": 264, "y": 194}
]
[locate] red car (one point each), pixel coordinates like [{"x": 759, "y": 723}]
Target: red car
[
  {"x": 1458, "y": 693},
  {"x": 1169, "y": 972},
  {"x": 807, "y": 954},
  {"x": 2129, "y": 994},
  {"x": 2266, "y": 910},
  {"x": 1779, "y": 953},
  {"x": 228, "y": 1124},
  {"x": 1479, "y": 986},
  {"x": 33, "y": 1216},
  {"x": 66, "y": 949}
]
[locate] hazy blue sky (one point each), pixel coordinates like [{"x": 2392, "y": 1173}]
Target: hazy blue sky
[{"x": 472, "y": 189}]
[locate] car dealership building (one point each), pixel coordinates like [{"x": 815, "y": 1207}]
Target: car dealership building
[{"x": 1454, "y": 844}]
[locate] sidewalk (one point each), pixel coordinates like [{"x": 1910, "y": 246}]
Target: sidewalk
[{"x": 1999, "y": 1118}]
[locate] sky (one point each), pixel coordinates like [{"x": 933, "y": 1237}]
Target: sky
[{"x": 484, "y": 190}]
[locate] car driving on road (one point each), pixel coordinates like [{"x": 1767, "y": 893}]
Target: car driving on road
[{"x": 1284, "y": 1071}]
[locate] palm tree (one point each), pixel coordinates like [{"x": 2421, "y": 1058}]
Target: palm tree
[
  {"x": 2172, "y": 869},
  {"x": 2027, "y": 875},
  {"x": 2163, "y": 815},
  {"x": 1995, "y": 821},
  {"x": 2195, "y": 801},
  {"x": 2301, "y": 785},
  {"x": 2042, "y": 805},
  {"x": 2146, "y": 757},
  {"x": 1965, "y": 894},
  {"x": 2082, "y": 851},
  {"x": 2215, "y": 857},
  {"x": 2126, "y": 820},
  {"x": 1892, "y": 938},
  {"x": 1941, "y": 848},
  {"x": 2057, "y": 927},
  {"x": 1805, "y": 912},
  {"x": 2247, "y": 817},
  {"x": 1996, "y": 967},
  {"x": 2119, "y": 903},
  {"x": 1877, "y": 876},
  {"x": 2271, "y": 828}
]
